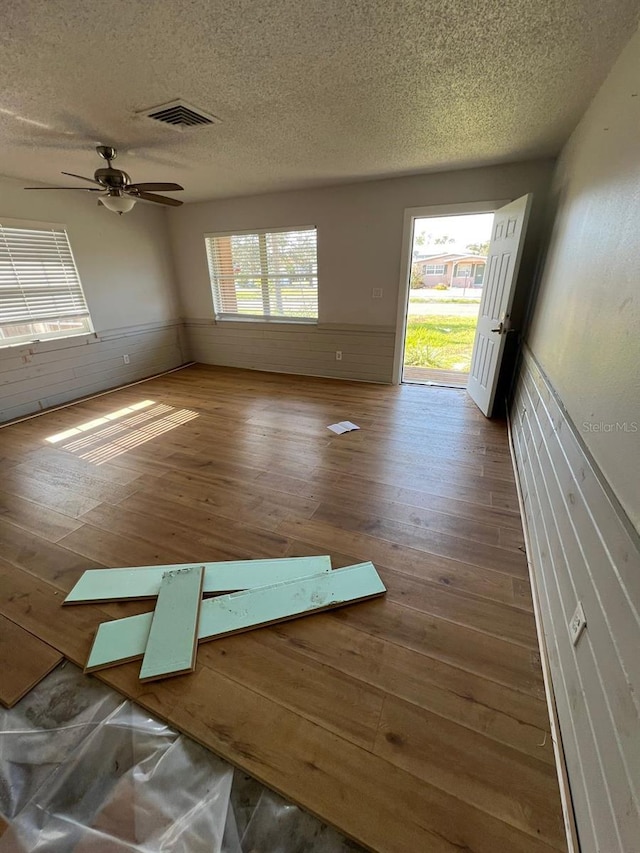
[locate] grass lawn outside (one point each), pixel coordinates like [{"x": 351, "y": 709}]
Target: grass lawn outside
[
  {"x": 443, "y": 343},
  {"x": 297, "y": 301},
  {"x": 453, "y": 300}
]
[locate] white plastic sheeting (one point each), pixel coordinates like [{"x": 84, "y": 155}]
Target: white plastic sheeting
[{"x": 83, "y": 770}]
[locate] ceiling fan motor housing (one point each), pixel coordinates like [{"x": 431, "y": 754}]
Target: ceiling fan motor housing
[{"x": 113, "y": 178}]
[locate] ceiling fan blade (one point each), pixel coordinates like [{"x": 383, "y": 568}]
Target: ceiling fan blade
[
  {"x": 77, "y": 189},
  {"x": 82, "y": 178},
  {"x": 155, "y": 187},
  {"x": 160, "y": 199}
]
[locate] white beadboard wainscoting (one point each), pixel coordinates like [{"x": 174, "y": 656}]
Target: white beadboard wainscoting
[
  {"x": 301, "y": 348},
  {"x": 36, "y": 376},
  {"x": 584, "y": 549}
]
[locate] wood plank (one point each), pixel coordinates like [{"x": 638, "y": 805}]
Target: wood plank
[
  {"x": 125, "y": 639},
  {"x": 191, "y": 535},
  {"x": 36, "y": 518},
  {"x": 453, "y": 574},
  {"x": 24, "y": 661},
  {"x": 496, "y": 619},
  {"x": 56, "y": 497},
  {"x": 432, "y": 541},
  {"x": 59, "y": 461},
  {"x": 39, "y": 556},
  {"x": 446, "y": 480},
  {"x": 173, "y": 636},
  {"x": 494, "y": 710},
  {"x": 421, "y": 496},
  {"x": 34, "y": 604},
  {"x": 429, "y": 520},
  {"x": 142, "y": 582},
  {"x": 84, "y": 483},
  {"x": 226, "y": 497},
  {"x": 114, "y": 547},
  {"x": 307, "y": 686},
  {"x": 479, "y": 653},
  {"x": 454, "y": 758}
]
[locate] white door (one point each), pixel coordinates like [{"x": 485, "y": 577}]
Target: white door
[{"x": 503, "y": 262}]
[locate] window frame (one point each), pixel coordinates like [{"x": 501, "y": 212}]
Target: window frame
[
  {"x": 36, "y": 337},
  {"x": 438, "y": 269},
  {"x": 459, "y": 274},
  {"x": 222, "y": 316}
]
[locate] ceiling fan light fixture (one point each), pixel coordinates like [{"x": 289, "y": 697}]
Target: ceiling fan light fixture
[{"x": 118, "y": 203}]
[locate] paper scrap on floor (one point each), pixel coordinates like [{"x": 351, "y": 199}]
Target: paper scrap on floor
[{"x": 343, "y": 426}]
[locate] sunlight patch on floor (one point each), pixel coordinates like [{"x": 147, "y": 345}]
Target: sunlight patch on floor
[
  {"x": 87, "y": 425},
  {"x": 101, "y": 440}
]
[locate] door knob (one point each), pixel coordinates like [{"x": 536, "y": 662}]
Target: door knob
[{"x": 500, "y": 328}]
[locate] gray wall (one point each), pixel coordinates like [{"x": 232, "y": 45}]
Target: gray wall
[
  {"x": 586, "y": 327},
  {"x": 126, "y": 271},
  {"x": 359, "y": 248},
  {"x": 580, "y": 474}
]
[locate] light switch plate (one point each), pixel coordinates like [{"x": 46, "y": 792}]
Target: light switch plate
[
  {"x": 376, "y": 293},
  {"x": 578, "y": 624}
]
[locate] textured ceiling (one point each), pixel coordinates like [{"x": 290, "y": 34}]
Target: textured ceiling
[{"x": 309, "y": 92}]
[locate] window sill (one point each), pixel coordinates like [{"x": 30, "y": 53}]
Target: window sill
[
  {"x": 287, "y": 321},
  {"x": 29, "y": 342}
]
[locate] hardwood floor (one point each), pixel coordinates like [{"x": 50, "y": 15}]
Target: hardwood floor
[
  {"x": 24, "y": 661},
  {"x": 415, "y": 723}
]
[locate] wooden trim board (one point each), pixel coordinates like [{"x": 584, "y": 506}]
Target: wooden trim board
[
  {"x": 141, "y": 582},
  {"x": 24, "y": 661},
  {"x": 556, "y": 735},
  {"x": 173, "y": 636},
  {"x": 126, "y": 639}
]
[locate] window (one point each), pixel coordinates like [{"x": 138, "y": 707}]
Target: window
[
  {"x": 40, "y": 291},
  {"x": 463, "y": 270},
  {"x": 270, "y": 274},
  {"x": 434, "y": 269}
]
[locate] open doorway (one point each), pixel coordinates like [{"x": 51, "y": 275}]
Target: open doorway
[{"x": 446, "y": 273}]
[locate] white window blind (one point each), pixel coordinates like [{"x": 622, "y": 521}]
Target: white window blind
[
  {"x": 268, "y": 274},
  {"x": 40, "y": 290}
]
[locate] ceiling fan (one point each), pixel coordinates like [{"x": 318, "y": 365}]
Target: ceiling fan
[{"x": 118, "y": 193}]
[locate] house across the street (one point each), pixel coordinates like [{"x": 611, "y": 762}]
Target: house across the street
[{"x": 453, "y": 270}]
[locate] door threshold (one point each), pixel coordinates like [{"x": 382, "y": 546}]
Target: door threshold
[
  {"x": 435, "y": 376},
  {"x": 432, "y": 383}
]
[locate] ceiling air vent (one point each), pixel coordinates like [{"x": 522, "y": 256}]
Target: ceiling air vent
[{"x": 179, "y": 114}]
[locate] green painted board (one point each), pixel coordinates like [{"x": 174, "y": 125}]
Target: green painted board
[
  {"x": 97, "y": 585},
  {"x": 126, "y": 639},
  {"x": 173, "y": 637},
  {"x": 120, "y": 641}
]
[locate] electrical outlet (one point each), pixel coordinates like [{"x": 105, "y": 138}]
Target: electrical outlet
[
  {"x": 376, "y": 293},
  {"x": 578, "y": 624},
  {"x": 338, "y": 355},
  {"x": 126, "y": 359}
]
